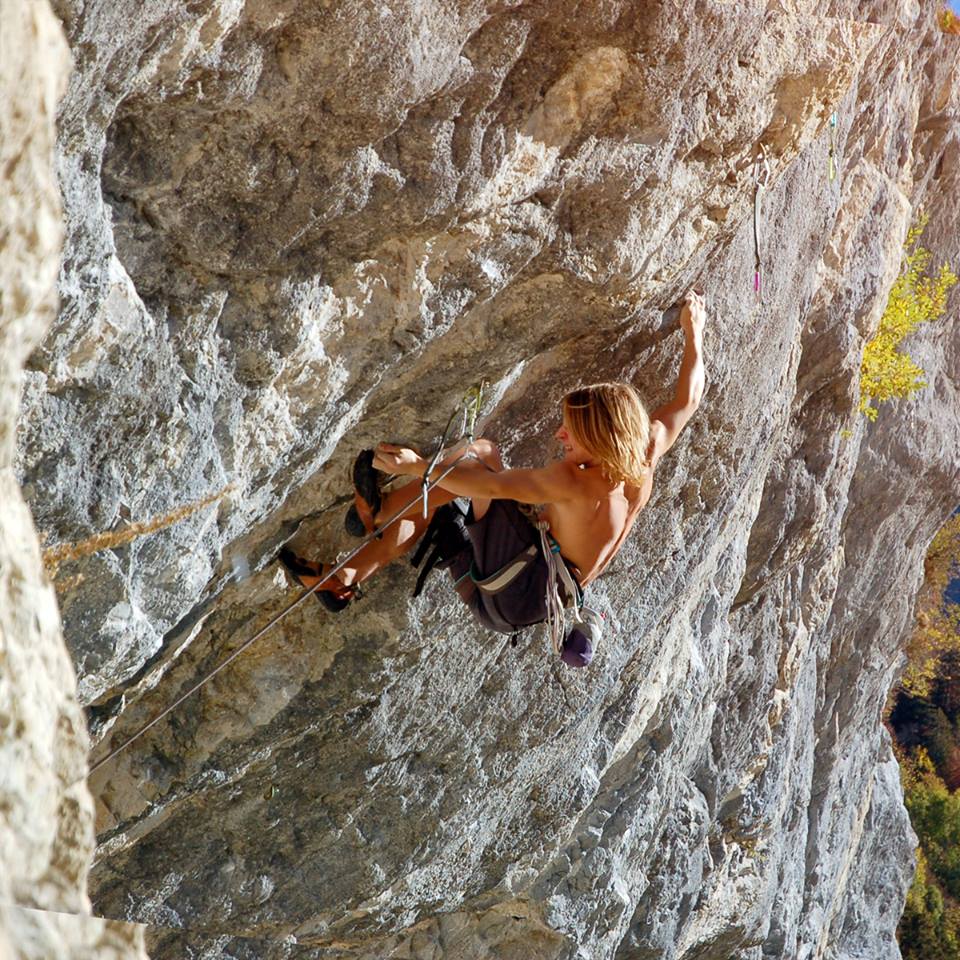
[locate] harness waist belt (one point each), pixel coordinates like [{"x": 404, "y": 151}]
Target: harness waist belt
[{"x": 506, "y": 575}]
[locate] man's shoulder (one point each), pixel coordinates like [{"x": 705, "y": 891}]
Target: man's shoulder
[
  {"x": 569, "y": 482},
  {"x": 658, "y": 430}
]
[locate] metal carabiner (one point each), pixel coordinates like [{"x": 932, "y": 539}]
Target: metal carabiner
[{"x": 761, "y": 167}]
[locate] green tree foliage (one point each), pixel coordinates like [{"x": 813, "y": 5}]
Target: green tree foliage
[
  {"x": 924, "y": 720},
  {"x": 930, "y": 926},
  {"x": 885, "y": 372},
  {"x": 928, "y": 929},
  {"x": 935, "y": 814}
]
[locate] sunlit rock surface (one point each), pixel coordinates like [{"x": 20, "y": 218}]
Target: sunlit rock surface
[
  {"x": 46, "y": 811},
  {"x": 294, "y": 229}
]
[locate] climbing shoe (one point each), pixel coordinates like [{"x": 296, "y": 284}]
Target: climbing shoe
[{"x": 335, "y": 598}]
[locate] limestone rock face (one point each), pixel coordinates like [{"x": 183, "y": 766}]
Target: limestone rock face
[
  {"x": 46, "y": 811},
  {"x": 295, "y": 229}
]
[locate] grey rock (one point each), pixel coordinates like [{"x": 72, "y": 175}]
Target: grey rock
[
  {"x": 296, "y": 229},
  {"x": 46, "y": 811}
]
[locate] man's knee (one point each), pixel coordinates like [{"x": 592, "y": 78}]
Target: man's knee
[{"x": 488, "y": 452}]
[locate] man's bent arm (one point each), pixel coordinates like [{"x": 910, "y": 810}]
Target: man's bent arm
[
  {"x": 470, "y": 478},
  {"x": 549, "y": 484}
]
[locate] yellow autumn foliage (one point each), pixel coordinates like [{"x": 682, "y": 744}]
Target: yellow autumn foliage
[
  {"x": 949, "y": 22},
  {"x": 885, "y": 372}
]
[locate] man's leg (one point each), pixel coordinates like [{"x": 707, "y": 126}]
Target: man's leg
[
  {"x": 402, "y": 534},
  {"x": 489, "y": 454}
]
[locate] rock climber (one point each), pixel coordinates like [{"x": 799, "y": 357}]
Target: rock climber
[{"x": 590, "y": 497}]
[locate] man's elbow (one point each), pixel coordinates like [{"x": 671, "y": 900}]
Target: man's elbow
[
  {"x": 696, "y": 391},
  {"x": 691, "y": 399}
]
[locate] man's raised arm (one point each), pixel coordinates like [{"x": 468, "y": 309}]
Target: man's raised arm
[{"x": 667, "y": 421}]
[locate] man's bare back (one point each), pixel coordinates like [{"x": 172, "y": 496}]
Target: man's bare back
[{"x": 592, "y": 525}]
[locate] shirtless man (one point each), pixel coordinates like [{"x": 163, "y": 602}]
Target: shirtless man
[{"x": 590, "y": 497}]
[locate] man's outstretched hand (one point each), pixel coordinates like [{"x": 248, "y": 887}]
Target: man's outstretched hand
[
  {"x": 693, "y": 313},
  {"x": 391, "y": 458}
]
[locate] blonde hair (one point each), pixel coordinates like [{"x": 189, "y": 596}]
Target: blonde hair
[{"x": 611, "y": 423}]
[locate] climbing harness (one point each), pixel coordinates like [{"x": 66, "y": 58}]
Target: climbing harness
[
  {"x": 452, "y": 548},
  {"x": 450, "y": 541},
  {"x": 498, "y": 581},
  {"x": 833, "y": 126},
  {"x": 471, "y": 407},
  {"x": 761, "y": 175},
  {"x": 448, "y": 538}
]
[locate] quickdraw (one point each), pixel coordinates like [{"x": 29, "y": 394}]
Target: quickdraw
[
  {"x": 761, "y": 175},
  {"x": 833, "y": 127},
  {"x": 471, "y": 403}
]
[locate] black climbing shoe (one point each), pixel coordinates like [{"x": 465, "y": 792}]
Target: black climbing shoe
[{"x": 335, "y": 599}]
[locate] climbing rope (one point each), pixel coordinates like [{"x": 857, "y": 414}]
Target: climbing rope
[
  {"x": 471, "y": 407},
  {"x": 554, "y": 603},
  {"x": 761, "y": 175},
  {"x": 557, "y": 574}
]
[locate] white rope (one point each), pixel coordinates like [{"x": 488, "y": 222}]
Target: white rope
[{"x": 553, "y": 605}]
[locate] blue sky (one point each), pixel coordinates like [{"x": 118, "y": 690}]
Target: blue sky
[{"x": 954, "y": 5}]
